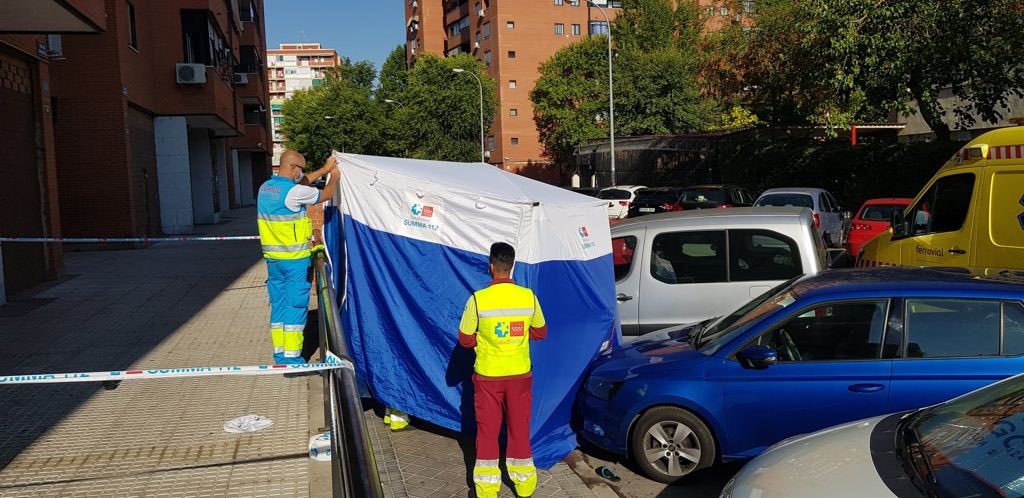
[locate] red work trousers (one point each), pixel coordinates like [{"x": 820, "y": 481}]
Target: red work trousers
[{"x": 493, "y": 399}]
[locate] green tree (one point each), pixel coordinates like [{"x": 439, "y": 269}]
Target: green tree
[
  {"x": 655, "y": 71},
  {"x": 572, "y": 90},
  {"x": 337, "y": 115},
  {"x": 394, "y": 80},
  {"x": 442, "y": 109},
  {"x": 834, "y": 62}
]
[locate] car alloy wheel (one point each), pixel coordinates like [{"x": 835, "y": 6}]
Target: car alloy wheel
[
  {"x": 669, "y": 443},
  {"x": 672, "y": 448}
]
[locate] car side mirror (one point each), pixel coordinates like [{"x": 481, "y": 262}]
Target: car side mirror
[
  {"x": 899, "y": 224},
  {"x": 757, "y": 357}
]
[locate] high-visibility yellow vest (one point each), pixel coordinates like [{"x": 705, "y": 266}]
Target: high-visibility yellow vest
[
  {"x": 284, "y": 234},
  {"x": 504, "y": 314}
]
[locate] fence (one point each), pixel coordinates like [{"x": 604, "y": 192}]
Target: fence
[{"x": 354, "y": 467}]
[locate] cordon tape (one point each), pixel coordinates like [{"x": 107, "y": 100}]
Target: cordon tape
[
  {"x": 332, "y": 362},
  {"x": 94, "y": 240}
]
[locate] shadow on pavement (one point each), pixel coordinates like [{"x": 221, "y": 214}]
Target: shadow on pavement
[{"x": 121, "y": 306}]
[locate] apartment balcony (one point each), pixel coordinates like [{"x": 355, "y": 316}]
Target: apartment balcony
[
  {"x": 210, "y": 105},
  {"x": 251, "y": 36},
  {"x": 254, "y": 138}
]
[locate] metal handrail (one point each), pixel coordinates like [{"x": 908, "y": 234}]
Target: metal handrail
[{"x": 354, "y": 468}]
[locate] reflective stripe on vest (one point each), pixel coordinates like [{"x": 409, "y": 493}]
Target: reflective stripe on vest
[
  {"x": 504, "y": 312},
  {"x": 284, "y": 234}
]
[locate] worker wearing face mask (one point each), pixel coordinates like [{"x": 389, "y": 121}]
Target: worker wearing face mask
[{"x": 286, "y": 236}]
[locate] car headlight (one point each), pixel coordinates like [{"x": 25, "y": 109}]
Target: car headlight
[
  {"x": 727, "y": 490},
  {"x": 603, "y": 388}
]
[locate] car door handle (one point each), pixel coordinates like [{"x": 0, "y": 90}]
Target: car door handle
[
  {"x": 866, "y": 388},
  {"x": 623, "y": 298},
  {"x": 956, "y": 250}
]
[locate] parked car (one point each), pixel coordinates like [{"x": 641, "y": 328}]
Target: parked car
[
  {"x": 873, "y": 218},
  {"x": 969, "y": 446},
  {"x": 715, "y": 196},
  {"x": 619, "y": 199},
  {"x": 968, "y": 215},
  {"x": 816, "y": 351},
  {"x": 828, "y": 215},
  {"x": 684, "y": 267},
  {"x": 655, "y": 200},
  {"x": 587, "y": 191}
]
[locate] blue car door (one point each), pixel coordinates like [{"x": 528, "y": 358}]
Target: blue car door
[
  {"x": 954, "y": 346},
  {"x": 833, "y": 367}
]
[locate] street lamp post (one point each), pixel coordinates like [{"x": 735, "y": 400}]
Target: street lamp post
[
  {"x": 328, "y": 118},
  {"x": 611, "y": 91},
  {"x": 483, "y": 158}
]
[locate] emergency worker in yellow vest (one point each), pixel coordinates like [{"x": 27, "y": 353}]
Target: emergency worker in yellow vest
[
  {"x": 285, "y": 234},
  {"x": 498, "y": 323}
]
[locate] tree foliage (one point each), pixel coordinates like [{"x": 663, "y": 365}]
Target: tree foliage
[
  {"x": 441, "y": 116},
  {"x": 834, "y": 62},
  {"x": 337, "y": 115},
  {"x": 655, "y": 71},
  {"x": 435, "y": 114}
]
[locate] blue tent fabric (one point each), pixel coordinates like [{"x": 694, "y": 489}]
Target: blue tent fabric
[{"x": 405, "y": 297}]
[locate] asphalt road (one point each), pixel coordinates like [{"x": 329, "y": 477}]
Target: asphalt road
[{"x": 707, "y": 483}]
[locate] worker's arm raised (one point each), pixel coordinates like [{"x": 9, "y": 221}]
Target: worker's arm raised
[{"x": 313, "y": 176}]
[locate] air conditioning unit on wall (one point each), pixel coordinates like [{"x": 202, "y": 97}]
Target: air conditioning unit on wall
[
  {"x": 190, "y": 74},
  {"x": 241, "y": 79}
]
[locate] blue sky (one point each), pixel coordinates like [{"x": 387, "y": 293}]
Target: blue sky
[{"x": 360, "y": 30}]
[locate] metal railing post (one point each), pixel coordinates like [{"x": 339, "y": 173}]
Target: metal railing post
[{"x": 354, "y": 466}]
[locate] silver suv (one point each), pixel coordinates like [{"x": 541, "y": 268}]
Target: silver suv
[
  {"x": 827, "y": 213},
  {"x": 685, "y": 267}
]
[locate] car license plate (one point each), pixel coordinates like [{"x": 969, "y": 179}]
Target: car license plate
[{"x": 646, "y": 210}]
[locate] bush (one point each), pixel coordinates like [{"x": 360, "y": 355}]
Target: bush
[{"x": 852, "y": 173}]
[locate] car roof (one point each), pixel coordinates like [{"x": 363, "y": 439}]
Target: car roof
[
  {"x": 793, "y": 190},
  {"x": 896, "y": 279},
  {"x": 713, "y": 185},
  {"x": 889, "y": 200},
  {"x": 729, "y": 215},
  {"x": 623, "y": 187},
  {"x": 660, "y": 189}
]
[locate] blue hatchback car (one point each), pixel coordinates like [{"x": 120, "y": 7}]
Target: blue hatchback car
[{"x": 811, "y": 353}]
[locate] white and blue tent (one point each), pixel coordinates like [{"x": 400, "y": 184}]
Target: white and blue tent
[{"x": 415, "y": 236}]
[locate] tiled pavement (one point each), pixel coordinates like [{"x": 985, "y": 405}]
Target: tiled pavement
[
  {"x": 167, "y": 305},
  {"x": 427, "y": 462}
]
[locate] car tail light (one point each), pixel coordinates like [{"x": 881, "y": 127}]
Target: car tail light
[
  {"x": 624, "y": 203},
  {"x": 817, "y": 220},
  {"x": 668, "y": 206},
  {"x": 725, "y": 206}
]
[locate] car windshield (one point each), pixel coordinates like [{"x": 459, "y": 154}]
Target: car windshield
[
  {"x": 704, "y": 195},
  {"x": 721, "y": 331},
  {"x": 657, "y": 196},
  {"x": 782, "y": 200},
  {"x": 613, "y": 194},
  {"x": 879, "y": 212},
  {"x": 972, "y": 445}
]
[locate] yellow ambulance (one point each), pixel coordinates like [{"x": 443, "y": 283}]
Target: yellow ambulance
[{"x": 970, "y": 214}]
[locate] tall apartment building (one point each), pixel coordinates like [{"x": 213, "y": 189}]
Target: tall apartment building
[
  {"x": 291, "y": 67},
  {"x": 29, "y": 199},
  {"x": 513, "y": 37},
  {"x": 161, "y": 120}
]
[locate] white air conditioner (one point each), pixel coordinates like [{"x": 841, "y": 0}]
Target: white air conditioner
[
  {"x": 414, "y": 4},
  {"x": 481, "y": 12},
  {"x": 241, "y": 79},
  {"x": 190, "y": 74},
  {"x": 476, "y": 45}
]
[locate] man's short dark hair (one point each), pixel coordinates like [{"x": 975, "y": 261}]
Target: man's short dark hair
[{"x": 502, "y": 257}]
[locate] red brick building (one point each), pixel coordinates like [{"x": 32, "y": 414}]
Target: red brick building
[
  {"x": 29, "y": 201},
  {"x": 131, "y": 117},
  {"x": 161, "y": 120}
]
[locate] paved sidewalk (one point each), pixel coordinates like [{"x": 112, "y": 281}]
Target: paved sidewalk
[
  {"x": 168, "y": 305},
  {"x": 427, "y": 462}
]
